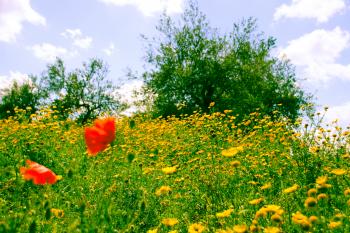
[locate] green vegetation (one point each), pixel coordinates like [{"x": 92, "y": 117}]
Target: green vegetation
[
  {"x": 81, "y": 94},
  {"x": 203, "y": 171},
  {"x": 193, "y": 65}
]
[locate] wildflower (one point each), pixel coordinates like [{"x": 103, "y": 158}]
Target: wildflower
[
  {"x": 235, "y": 163},
  {"x": 256, "y": 201},
  {"x": 313, "y": 218},
  {"x": 38, "y": 173},
  {"x": 310, "y": 202},
  {"x": 322, "y": 196},
  {"x": 100, "y": 135},
  {"x": 347, "y": 192},
  {"x": 170, "y": 221},
  {"x": 291, "y": 189},
  {"x": 276, "y": 218},
  {"x": 174, "y": 231},
  {"x": 153, "y": 231},
  {"x": 321, "y": 180},
  {"x": 57, "y": 212},
  {"x": 266, "y": 186},
  {"x": 232, "y": 151},
  {"x": 224, "y": 214},
  {"x": 338, "y": 172},
  {"x": 163, "y": 190},
  {"x": 334, "y": 225},
  {"x": 196, "y": 228},
  {"x": 169, "y": 170},
  {"x": 240, "y": 229},
  {"x": 311, "y": 192},
  {"x": 272, "y": 230}
]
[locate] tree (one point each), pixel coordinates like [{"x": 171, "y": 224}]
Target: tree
[
  {"x": 193, "y": 66},
  {"x": 82, "y": 94},
  {"x": 25, "y": 96}
]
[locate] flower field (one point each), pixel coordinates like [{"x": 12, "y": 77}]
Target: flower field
[{"x": 200, "y": 173}]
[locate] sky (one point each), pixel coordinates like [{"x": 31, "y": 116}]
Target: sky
[{"x": 313, "y": 34}]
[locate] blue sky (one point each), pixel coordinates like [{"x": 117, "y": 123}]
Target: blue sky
[{"x": 313, "y": 34}]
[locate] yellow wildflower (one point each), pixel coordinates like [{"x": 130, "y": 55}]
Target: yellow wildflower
[
  {"x": 235, "y": 163},
  {"x": 57, "y": 212},
  {"x": 232, "y": 151},
  {"x": 310, "y": 202},
  {"x": 334, "y": 225},
  {"x": 291, "y": 189},
  {"x": 322, "y": 180},
  {"x": 152, "y": 231},
  {"x": 224, "y": 214},
  {"x": 338, "y": 171},
  {"x": 272, "y": 230},
  {"x": 256, "y": 201},
  {"x": 347, "y": 191},
  {"x": 163, "y": 190},
  {"x": 266, "y": 186},
  {"x": 322, "y": 196},
  {"x": 311, "y": 192},
  {"x": 196, "y": 228},
  {"x": 169, "y": 170},
  {"x": 276, "y": 218},
  {"x": 240, "y": 229},
  {"x": 170, "y": 221}
]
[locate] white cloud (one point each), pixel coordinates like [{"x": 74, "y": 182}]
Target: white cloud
[
  {"x": 13, "y": 13},
  {"x": 110, "y": 50},
  {"x": 340, "y": 112},
  {"x": 7, "y": 80},
  {"x": 316, "y": 54},
  {"x": 48, "y": 52},
  {"x": 321, "y": 10},
  {"x": 150, "y": 7},
  {"x": 79, "y": 40}
]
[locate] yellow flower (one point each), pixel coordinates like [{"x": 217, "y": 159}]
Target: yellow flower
[
  {"x": 170, "y": 221},
  {"x": 311, "y": 192},
  {"x": 276, "y": 218},
  {"x": 310, "y": 202},
  {"x": 235, "y": 163},
  {"x": 347, "y": 191},
  {"x": 196, "y": 228},
  {"x": 272, "y": 230},
  {"x": 322, "y": 180},
  {"x": 291, "y": 189},
  {"x": 153, "y": 231},
  {"x": 338, "y": 171},
  {"x": 163, "y": 190},
  {"x": 232, "y": 151},
  {"x": 57, "y": 212},
  {"x": 266, "y": 186},
  {"x": 256, "y": 201},
  {"x": 174, "y": 231},
  {"x": 240, "y": 229},
  {"x": 224, "y": 214},
  {"x": 322, "y": 196},
  {"x": 313, "y": 218},
  {"x": 334, "y": 225},
  {"x": 169, "y": 170}
]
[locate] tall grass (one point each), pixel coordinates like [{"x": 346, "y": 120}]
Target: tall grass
[{"x": 200, "y": 173}]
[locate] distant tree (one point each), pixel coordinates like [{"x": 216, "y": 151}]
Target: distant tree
[
  {"x": 191, "y": 66},
  {"x": 19, "y": 96},
  {"x": 83, "y": 93}
]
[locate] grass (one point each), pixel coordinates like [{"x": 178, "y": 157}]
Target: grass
[{"x": 201, "y": 173}]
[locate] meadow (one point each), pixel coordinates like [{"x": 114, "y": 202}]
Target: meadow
[{"x": 198, "y": 173}]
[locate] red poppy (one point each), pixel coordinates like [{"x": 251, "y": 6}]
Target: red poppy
[
  {"x": 100, "y": 135},
  {"x": 38, "y": 173}
]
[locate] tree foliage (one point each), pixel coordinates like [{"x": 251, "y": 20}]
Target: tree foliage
[
  {"x": 192, "y": 65},
  {"x": 83, "y": 93},
  {"x": 19, "y": 96}
]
